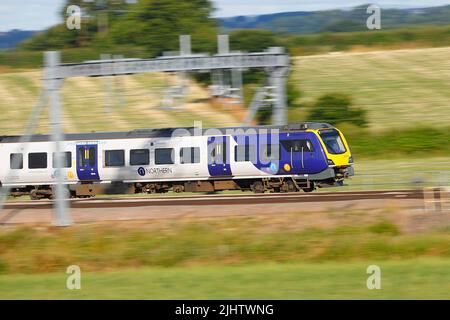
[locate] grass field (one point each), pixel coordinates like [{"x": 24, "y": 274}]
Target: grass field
[
  {"x": 321, "y": 254},
  {"x": 134, "y": 102},
  {"x": 402, "y": 173},
  {"x": 291, "y": 256},
  {"x": 409, "y": 279},
  {"x": 300, "y": 255},
  {"x": 400, "y": 88},
  {"x": 320, "y": 236}
]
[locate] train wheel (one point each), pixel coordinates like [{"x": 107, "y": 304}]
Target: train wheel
[
  {"x": 257, "y": 187},
  {"x": 288, "y": 186},
  {"x": 178, "y": 188},
  {"x": 34, "y": 195},
  {"x": 67, "y": 194},
  {"x": 311, "y": 188}
]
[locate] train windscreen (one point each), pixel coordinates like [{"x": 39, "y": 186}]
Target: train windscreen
[{"x": 332, "y": 141}]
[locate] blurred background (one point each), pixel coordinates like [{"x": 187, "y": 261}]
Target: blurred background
[{"x": 388, "y": 90}]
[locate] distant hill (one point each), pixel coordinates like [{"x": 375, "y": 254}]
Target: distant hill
[
  {"x": 337, "y": 20},
  {"x": 11, "y": 38}
]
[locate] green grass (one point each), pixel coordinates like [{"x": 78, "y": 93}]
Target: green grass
[
  {"x": 409, "y": 279},
  {"x": 22, "y": 58},
  {"x": 398, "y": 173},
  {"x": 410, "y": 37},
  {"x": 412, "y": 142},
  {"x": 353, "y": 235},
  {"x": 304, "y": 255}
]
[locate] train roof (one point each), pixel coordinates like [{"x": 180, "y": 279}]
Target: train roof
[{"x": 160, "y": 133}]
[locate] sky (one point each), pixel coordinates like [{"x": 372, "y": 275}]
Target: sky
[{"x": 41, "y": 14}]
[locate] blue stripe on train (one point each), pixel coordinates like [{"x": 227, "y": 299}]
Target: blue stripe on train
[{"x": 308, "y": 162}]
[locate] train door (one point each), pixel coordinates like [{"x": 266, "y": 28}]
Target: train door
[
  {"x": 219, "y": 156},
  {"x": 87, "y": 162},
  {"x": 298, "y": 156}
]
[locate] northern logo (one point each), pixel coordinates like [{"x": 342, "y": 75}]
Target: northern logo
[
  {"x": 141, "y": 171},
  {"x": 154, "y": 171}
]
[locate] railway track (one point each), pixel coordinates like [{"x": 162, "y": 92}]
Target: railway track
[{"x": 212, "y": 200}]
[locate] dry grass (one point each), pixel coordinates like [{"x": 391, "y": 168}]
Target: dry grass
[
  {"x": 134, "y": 102},
  {"x": 399, "y": 88},
  {"x": 328, "y": 236}
]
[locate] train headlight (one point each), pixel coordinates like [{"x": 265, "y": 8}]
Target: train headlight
[{"x": 330, "y": 162}]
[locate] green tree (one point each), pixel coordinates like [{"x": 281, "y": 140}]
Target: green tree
[
  {"x": 152, "y": 24},
  {"x": 59, "y": 36},
  {"x": 293, "y": 93},
  {"x": 156, "y": 25},
  {"x": 345, "y": 25},
  {"x": 56, "y": 37},
  {"x": 252, "y": 40},
  {"x": 336, "y": 108}
]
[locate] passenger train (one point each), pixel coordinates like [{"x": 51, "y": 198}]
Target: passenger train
[{"x": 289, "y": 158}]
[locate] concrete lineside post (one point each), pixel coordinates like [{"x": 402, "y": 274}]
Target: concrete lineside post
[{"x": 52, "y": 85}]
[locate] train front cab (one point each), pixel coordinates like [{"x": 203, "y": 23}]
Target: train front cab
[{"x": 337, "y": 152}]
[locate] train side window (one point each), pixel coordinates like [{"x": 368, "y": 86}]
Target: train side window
[
  {"x": 190, "y": 155},
  {"x": 67, "y": 159},
  {"x": 114, "y": 158},
  {"x": 164, "y": 156},
  {"x": 139, "y": 157},
  {"x": 16, "y": 161},
  {"x": 245, "y": 153},
  {"x": 37, "y": 160},
  {"x": 333, "y": 141},
  {"x": 297, "y": 145}
]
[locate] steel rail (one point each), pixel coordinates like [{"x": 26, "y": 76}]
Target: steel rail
[{"x": 212, "y": 200}]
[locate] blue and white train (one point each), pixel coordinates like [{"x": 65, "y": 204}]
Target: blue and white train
[{"x": 268, "y": 158}]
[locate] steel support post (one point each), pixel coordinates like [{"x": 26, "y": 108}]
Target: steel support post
[
  {"x": 277, "y": 80},
  {"x": 52, "y": 85}
]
